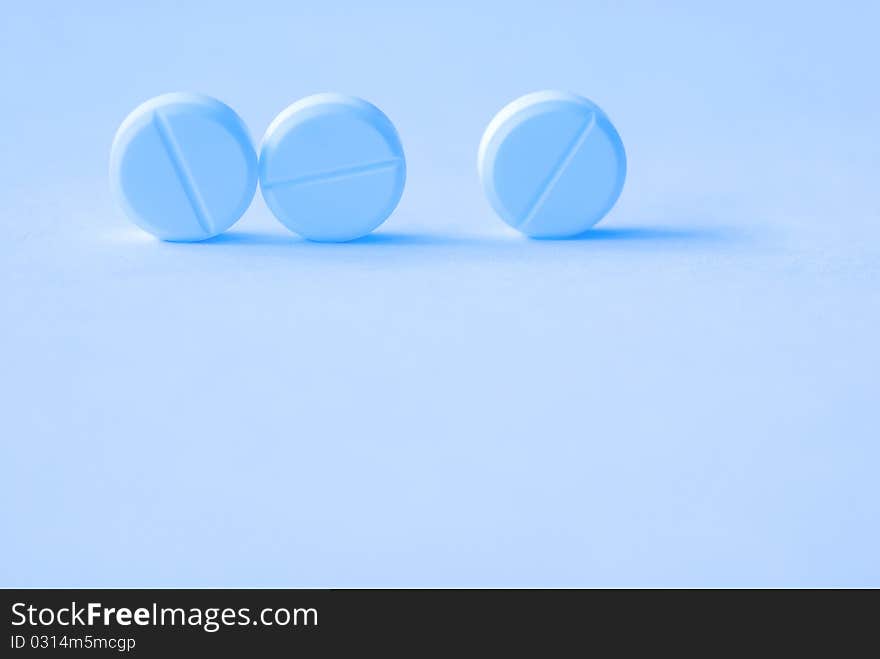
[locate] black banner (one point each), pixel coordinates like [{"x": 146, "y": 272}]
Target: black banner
[{"x": 153, "y": 623}]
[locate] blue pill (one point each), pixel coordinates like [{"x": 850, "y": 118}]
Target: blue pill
[
  {"x": 551, "y": 164},
  {"x": 183, "y": 167},
  {"x": 332, "y": 167}
]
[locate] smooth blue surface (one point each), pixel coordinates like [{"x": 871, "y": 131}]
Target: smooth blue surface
[
  {"x": 687, "y": 395},
  {"x": 552, "y": 164},
  {"x": 182, "y": 167},
  {"x": 332, "y": 167}
]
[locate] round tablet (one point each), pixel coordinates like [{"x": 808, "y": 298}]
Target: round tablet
[
  {"x": 183, "y": 167},
  {"x": 332, "y": 167},
  {"x": 551, "y": 164}
]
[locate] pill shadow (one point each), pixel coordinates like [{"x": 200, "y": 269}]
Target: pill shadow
[
  {"x": 383, "y": 238},
  {"x": 654, "y": 234},
  {"x": 630, "y": 234}
]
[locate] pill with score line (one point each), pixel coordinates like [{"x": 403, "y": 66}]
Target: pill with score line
[
  {"x": 332, "y": 167},
  {"x": 183, "y": 167},
  {"x": 551, "y": 164}
]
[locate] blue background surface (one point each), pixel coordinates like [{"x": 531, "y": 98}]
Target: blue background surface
[{"x": 688, "y": 396}]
